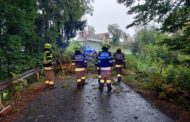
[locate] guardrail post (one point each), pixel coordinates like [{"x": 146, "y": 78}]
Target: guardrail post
[
  {"x": 2, "y": 98},
  {"x": 9, "y": 93},
  {"x": 38, "y": 76}
]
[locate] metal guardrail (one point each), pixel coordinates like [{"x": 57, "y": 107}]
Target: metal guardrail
[{"x": 7, "y": 83}]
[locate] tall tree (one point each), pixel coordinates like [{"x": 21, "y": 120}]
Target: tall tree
[
  {"x": 91, "y": 31},
  {"x": 26, "y": 25},
  {"x": 115, "y": 32},
  {"x": 60, "y": 19},
  {"x": 146, "y": 36},
  {"x": 126, "y": 40},
  {"x": 17, "y": 30}
]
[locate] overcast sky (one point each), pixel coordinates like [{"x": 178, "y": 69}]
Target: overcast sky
[{"x": 109, "y": 12}]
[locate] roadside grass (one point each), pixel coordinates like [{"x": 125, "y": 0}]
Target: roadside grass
[{"x": 164, "y": 96}]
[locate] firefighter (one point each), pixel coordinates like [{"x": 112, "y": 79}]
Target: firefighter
[
  {"x": 80, "y": 67},
  {"x": 119, "y": 63},
  {"x": 105, "y": 63},
  {"x": 48, "y": 66}
]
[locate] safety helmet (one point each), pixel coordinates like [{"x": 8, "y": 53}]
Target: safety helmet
[
  {"x": 107, "y": 46},
  {"x": 118, "y": 49},
  {"x": 47, "y": 46},
  {"x": 77, "y": 48}
]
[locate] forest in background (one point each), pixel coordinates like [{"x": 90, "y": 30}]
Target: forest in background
[{"x": 27, "y": 25}]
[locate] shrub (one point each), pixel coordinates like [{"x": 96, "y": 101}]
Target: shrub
[{"x": 18, "y": 83}]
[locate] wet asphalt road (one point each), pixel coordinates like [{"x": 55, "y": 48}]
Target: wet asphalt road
[{"x": 69, "y": 104}]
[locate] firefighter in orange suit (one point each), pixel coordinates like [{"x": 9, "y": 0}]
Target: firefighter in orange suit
[
  {"x": 119, "y": 63},
  {"x": 48, "y": 67},
  {"x": 105, "y": 63},
  {"x": 80, "y": 67}
]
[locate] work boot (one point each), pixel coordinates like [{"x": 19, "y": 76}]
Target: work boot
[
  {"x": 78, "y": 84},
  {"x": 119, "y": 79},
  {"x": 99, "y": 81},
  {"x": 52, "y": 86},
  {"x": 109, "y": 87},
  {"x": 47, "y": 83},
  {"x": 101, "y": 86},
  {"x": 83, "y": 82}
]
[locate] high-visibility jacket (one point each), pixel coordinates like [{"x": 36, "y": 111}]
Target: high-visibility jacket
[
  {"x": 47, "y": 58},
  {"x": 119, "y": 58},
  {"x": 80, "y": 60},
  {"x": 105, "y": 59}
]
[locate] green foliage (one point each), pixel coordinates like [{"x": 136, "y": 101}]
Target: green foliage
[
  {"x": 172, "y": 83},
  {"x": 65, "y": 55},
  {"x": 179, "y": 76},
  {"x": 146, "y": 36},
  {"x": 172, "y": 14},
  {"x": 131, "y": 62},
  {"x": 115, "y": 32},
  {"x": 17, "y": 29},
  {"x": 158, "y": 68},
  {"x": 61, "y": 17},
  {"x": 180, "y": 42},
  {"x": 27, "y": 25},
  {"x": 72, "y": 46},
  {"x": 18, "y": 83}
]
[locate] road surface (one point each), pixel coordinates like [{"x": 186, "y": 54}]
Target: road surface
[{"x": 66, "y": 103}]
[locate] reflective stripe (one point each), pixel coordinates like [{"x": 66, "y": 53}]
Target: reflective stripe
[
  {"x": 119, "y": 75},
  {"x": 105, "y": 68},
  {"x": 78, "y": 80},
  {"x": 51, "y": 82},
  {"x": 83, "y": 78},
  {"x": 108, "y": 81},
  {"x": 46, "y": 82},
  {"x": 48, "y": 68},
  {"x": 105, "y": 57},
  {"x": 79, "y": 69},
  {"x": 73, "y": 64},
  {"x": 99, "y": 76},
  {"x": 118, "y": 65},
  {"x": 101, "y": 58},
  {"x": 101, "y": 81}
]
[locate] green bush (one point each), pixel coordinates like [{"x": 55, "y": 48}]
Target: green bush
[
  {"x": 131, "y": 62},
  {"x": 178, "y": 75},
  {"x": 19, "y": 84},
  {"x": 65, "y": 55},
  {"x": 159, "y": 68}
]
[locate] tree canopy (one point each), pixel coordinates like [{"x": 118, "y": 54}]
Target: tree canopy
[
  {"x": 174, "y": 15},
  {"x": 115, "y": 32},
  {"x": 27, "y": 24}
]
